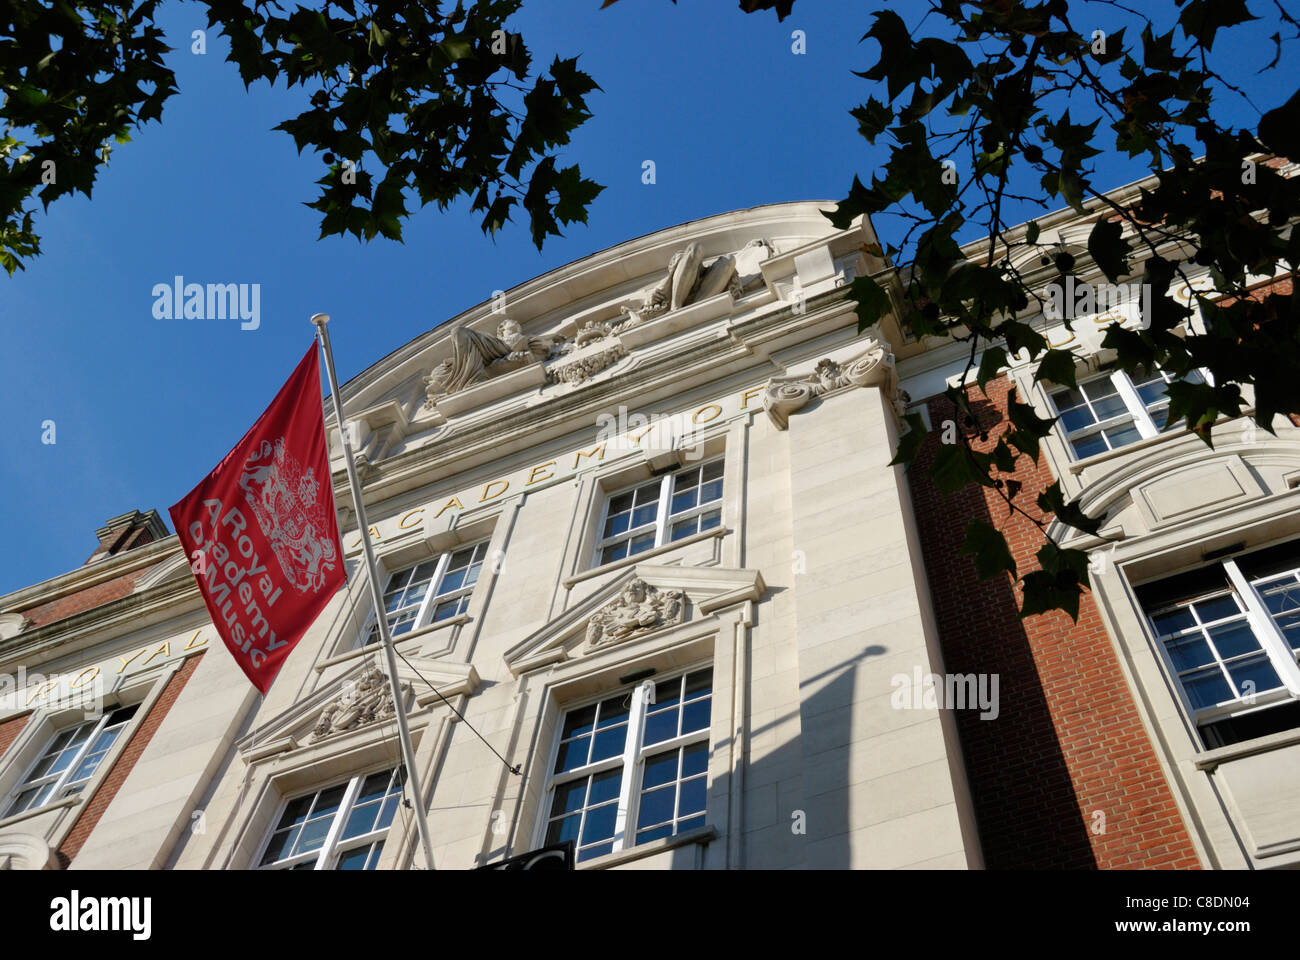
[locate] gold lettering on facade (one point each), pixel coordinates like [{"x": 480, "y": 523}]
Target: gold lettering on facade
[
  {"x": 374, "y": 535},
  {"x": 403, "y": 525},
  {"x": 749, "y": 395},
  {"x": 591, "y": 453},
  {"x": 454, "y": 501},
  {"x": 192, "y": 645},
  {"x": 640, "y": 436},
  {"x": 126, "y": 662},
  {"x": 93, "y": 671},
  {"x": 505, "y": 485},
  {"x": 43, "y": 689},
  {"x": 165, "y": 650},
  {"x": 534, "y": 478},
  {"x": 717, "y": 412}
]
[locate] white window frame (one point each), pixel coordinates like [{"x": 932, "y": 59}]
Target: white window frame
[
  {"x": 631, "y": 761},
  {"x": 333, "y": 846},
  {"x": 1271, "y": 640},
  {"x": 432, "y": 596},
  {"x": 1136, "y": 412},
  {"x": 664, "y": 517},
  {"x": 63, "y": 784}
]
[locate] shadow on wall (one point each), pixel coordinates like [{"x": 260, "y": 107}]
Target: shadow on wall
[{"x": 1026, "y": 806}]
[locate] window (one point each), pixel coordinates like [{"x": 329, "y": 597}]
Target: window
[
  {"x": 665, "y": 509},
  {"x": 1230, "y": 633},
  {"x": 633, "y": 767},
  {"x": 70, "y": 760},
  {"x": 339, "y": 828},
  {"x": 1113, "y": 410},
  {"x": 430, "y": 591}
]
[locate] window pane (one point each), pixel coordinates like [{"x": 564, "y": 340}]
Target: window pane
[
  {"x": 644, "y": 515},
  {"x": 596, "y": 851},
  {"x": 1234, "y": 639},
  {"x": 1100, "y": 390},
  {"x": 1217, "y": 608},
  {"x": 1089, "y": 445},
  {"x": 599, "y": 824},
  {"x": 695, "y": 716},
  {"x": 1122, "y": 435},
  {"x": 685, "y": 500},
  {"x": 279, "y": 845},
  {"x": 1207, "y": 688},
  {"x": 699, "y": 683},
  {"x": 1173, "y": 621},
  {"x": 712, "y": 471},
  {"x": 621, "y": 503},
  {"x": 1189, "y": 652},
  {"x": 661, "y": 726},
  {"x": 711, "y": 491},
  {"x": 558, "y": 831},
  {"x": 655, "y": 833},
  {"x": 578, "y": 721},
  {"x": 659, "y": 769},
  {"x": 615, "y": 525},
  {"x": 684, "y": 528},
  {"x": 1077, "y": 419},
  {"x": 1254, "y": 675},
  {"x": 312, "y": 835},
  {"x": 354, "y": 859},
  {"x": 604, "y": 786},
  {"x": 691, "y": 798},
  {"x": 614, "y": 710},
  {"x": 641, "y": 543},
  {"x": 656, "y": 806},
  {"x": 569, "y": 797},
  {"x": 710, "y": 520},
  {"x": 609, "y": 743},
  {"x": 616, "y": 552},
  {"x": 573, "y": 754},
  {"x": 695, "y": 759}
]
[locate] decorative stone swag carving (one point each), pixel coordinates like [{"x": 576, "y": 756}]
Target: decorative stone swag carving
[
  {"x": 364, "y": 700},
  {"x": 638, "y": 609},
  {"x": 478, "y": 357},
  {"x": 874, "y": 367}
]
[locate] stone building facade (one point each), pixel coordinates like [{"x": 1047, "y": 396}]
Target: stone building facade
[{"x": 658, "y": 590}]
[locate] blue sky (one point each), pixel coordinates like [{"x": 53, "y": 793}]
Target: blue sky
[{"x": 730, "y": 116}]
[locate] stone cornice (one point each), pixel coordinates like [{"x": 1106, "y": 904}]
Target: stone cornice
[
  {"x": 747, "y": 341},
  {"x": 101, "y": 623},
  {"x": 83, "y": 578}
]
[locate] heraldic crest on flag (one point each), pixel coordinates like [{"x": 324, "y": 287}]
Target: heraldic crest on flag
[
  {"x": 284, "y": 499},
  {"x": 262, "y": 531}
]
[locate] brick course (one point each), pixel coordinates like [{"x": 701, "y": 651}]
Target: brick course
[
  {"x": 1068, "y": 741},
  {"x": 94, "y": 809}
]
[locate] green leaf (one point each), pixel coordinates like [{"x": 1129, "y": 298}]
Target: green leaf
[
  {"x": 989, "y": 548},
  {"x": 909, "y": 444},
  {"x": 1057, "y": 366},
  {"x": 1108, "y": 248}
]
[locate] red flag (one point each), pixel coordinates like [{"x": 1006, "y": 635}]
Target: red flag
[{"x": 260, "y": 530}]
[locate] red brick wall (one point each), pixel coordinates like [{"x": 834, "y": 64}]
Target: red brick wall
[
  {"x": 82, "y": 600},
  {"x": 1067, "y": 741},
  {"x": 9, "y": 731},
  {"x": 94, "y": 809}
]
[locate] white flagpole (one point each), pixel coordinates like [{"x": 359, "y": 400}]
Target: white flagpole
[{"x": 376, "y": 592}]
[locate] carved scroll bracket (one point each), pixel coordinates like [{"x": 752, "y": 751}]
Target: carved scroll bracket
[{"x": 874, "y": 367}]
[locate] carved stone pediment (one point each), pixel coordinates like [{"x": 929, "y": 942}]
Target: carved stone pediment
[
  {"x": 477, "y": 357},
  {"x": 646, "y": 601},
  {"x": 593, "y": 350},
  {"x": 365, "y": 699},
  {"x": 873, "y": 367},
  {"x": 637, "y": 609}
]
